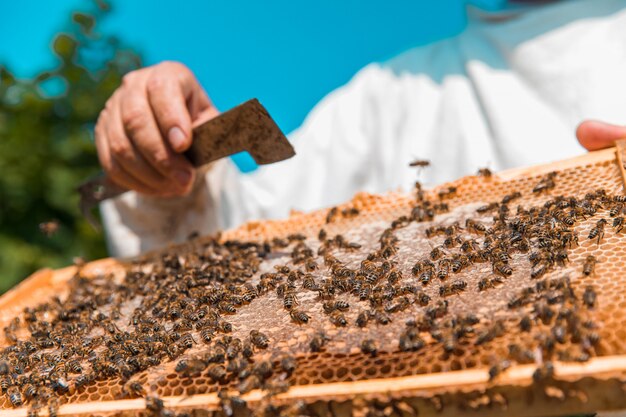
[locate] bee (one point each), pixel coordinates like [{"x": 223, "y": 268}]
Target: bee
[
  {"x": 454, "y": 288},
  {"x": 29, "y": 391},
  {"x": 525, "y": 323},
  {"x": 488, "y": 207},
  {"x": 259, "y": 339},
  {"x": 338, "y": 319},
  {"x": 484, "y": 172},
  {"x": 216, "y": 372},
  {"x": 423, "y": 299},
  {"x": 436, "y": 253},
  {"x": 539, "y": 272},
  {"x": 616, "y": 209},
  {"x": 544, "y": 373},
  {"x": 154, "y": 404},
  {"x": 502, "y": 268},
  {"x": 187, "y": 341},
  {"x": 332, "y": 214},
  {"x": 382, "y": 318},
  {"x": 250, "y": 383},
  {"x": 597, "y": 230},
  {"x": 409, "y": 340},
  {"x": 589, "y": 265},
  {"x": 510, "y": 197},
  {"x": 368, "y": 346},
  {"x": 498, "y": 368},
  {"x": 288, "y": 364},
  {"x": 447, "y": 192},
  {"x": 135, "y": 389},
  {"x": 190, "y": 367},
  {"x": 618, "y": 224},
  {"x": 318, "y": 341},
  {"x": 559, "y": 333},
  {"x": 247, "y": 349},
  {"x": 49, "y": 228},
  {"x": 290, "y": 300},
  {"x": 521, "y": 355},
  {"x": 299, "y": 317},
  {"x": 486, "y": 283},
  {"x": 53, "y": 407},
  {"x": 545, "y": 184},
  {"x": 362, "y": 319},
  {"x": 475, "y": 226},
  {"x": 74, "y": 367},
  {"x": 589, "y": 297},
  {"x": 82, "y": 380},
  {"x": 419, "y": 163},
  {"x": 15, "y": 396}
]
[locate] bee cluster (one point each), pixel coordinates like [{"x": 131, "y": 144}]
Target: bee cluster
[{"x": 183, "y": 309}]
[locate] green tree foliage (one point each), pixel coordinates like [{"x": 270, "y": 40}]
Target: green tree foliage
[{"x": 47, "y": 149}]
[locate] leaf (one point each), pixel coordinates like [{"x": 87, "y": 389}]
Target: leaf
[
  {"x": 85, "y": 21},
  {"x": 64, "y": 46}
]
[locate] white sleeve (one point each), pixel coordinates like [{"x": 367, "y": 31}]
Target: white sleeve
[
  {"x": 135, "y": 223},
  {"x": 346, "y": 144}
]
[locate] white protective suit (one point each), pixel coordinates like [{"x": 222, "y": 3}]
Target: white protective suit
[{"x": 509, "y": 91}]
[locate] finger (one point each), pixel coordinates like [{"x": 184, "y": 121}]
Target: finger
[
  {"x": 141, "y": 128},
  {"x": 594, "y": 135},
  {"x": 111, "y": 167},
  {"x": 175, "y": 97},
  {"x": 130, "y": 158}
]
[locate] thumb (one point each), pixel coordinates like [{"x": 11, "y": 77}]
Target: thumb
[{"x": 594, "y": 135}]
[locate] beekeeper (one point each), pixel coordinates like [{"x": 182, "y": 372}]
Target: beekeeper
[{"x": 511, "y": 90}]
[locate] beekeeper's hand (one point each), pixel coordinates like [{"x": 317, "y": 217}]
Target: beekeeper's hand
[
  {"x": 594, "y": 135},
  {"x": 145, "y": 126}
]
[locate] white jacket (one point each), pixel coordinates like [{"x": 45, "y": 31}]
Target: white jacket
[{"x": 509, "y": 91}]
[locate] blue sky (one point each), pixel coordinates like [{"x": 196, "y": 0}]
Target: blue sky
[{"x": 287, "y": 53}]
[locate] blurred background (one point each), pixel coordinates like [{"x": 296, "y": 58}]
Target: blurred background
[{"x": 61, "y": 60}]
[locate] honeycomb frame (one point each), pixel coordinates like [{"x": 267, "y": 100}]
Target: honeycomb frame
[{"x": 595, "y": 385}]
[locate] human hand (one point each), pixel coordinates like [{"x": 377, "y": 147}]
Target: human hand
[
  {"x": 594, "y": 135},
  {"x": 146, "y": 125}
]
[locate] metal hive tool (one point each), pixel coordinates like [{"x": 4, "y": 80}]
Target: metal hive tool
[{"x": 343, "y": 380}]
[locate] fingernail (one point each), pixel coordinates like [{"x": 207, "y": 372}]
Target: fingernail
[
  {"x": 177, "y": 138},
  {"x": 183, "y": 177}
]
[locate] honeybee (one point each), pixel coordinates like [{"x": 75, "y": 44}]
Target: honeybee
[
  {"x": 484, "y": 172},
  {"x": 288, "y": 364},
  {"x": 190, "y": 367},
  {"x": 134, "y": 389},
  {"x": 589, "y": 265},
  {"x": 547, "y": 183},
  {"x": 338, "y": 319},
  {"x": 368, "y": 346},
  {"x": 525, "y": 323},
  {"x": 597, "y": 230},
  {"x": 216, "y": 372},
  {"x": 498, "y": 368},
  {"x": 299, "y": 317},
  {"x": 447, "y": 192},
  {"x": 475, "y": 226},
  {"x": 419, "y": 163},
  {"x": 332, "y": 214},
  {"x": 318, "y": 341},
  {"x": 618, "y": 224},
  {"x": 290, "y": 300},
  {"x": 510, "y": 197},
  {"x": 259, "y": 339},
  {"x": 589, "y": 296}
]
